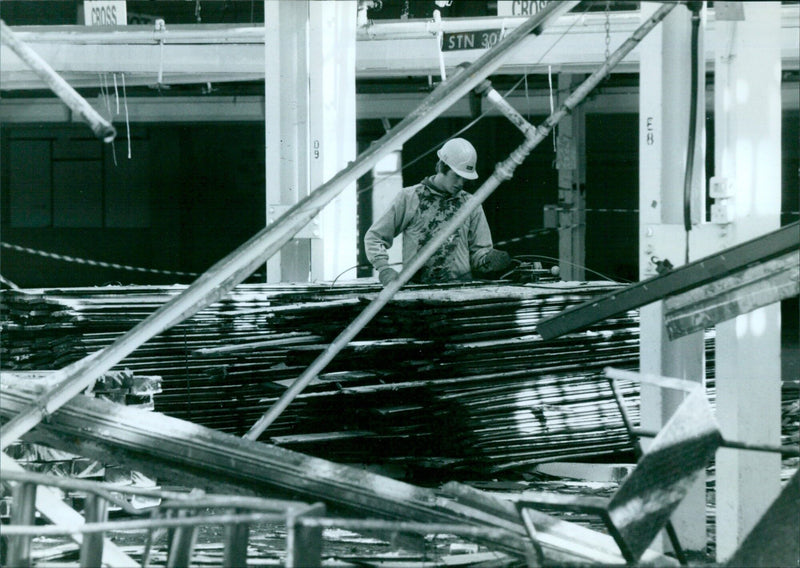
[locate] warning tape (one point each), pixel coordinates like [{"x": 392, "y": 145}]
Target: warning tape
[{"x": 75, "y": 259}]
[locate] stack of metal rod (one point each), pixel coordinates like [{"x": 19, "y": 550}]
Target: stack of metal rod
[{"x": 449, "y": 378}]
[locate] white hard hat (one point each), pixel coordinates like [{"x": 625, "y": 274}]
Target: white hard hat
[{"x": 461, "y": 156}]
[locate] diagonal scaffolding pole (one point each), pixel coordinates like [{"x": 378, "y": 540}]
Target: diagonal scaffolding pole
[
  {"x": 76, "y": 103},
  {"x": 503, "y": 171},
  {"x": 215, "y": 283}
]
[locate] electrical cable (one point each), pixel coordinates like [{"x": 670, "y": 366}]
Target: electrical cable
[
  {"x": 605, "y": 276},
  {"x": 90, "y": 262},
  {"x": 7, "y": 282},
  {"x": 346, "y": 270},
  {"x": 695, "y": 7}
]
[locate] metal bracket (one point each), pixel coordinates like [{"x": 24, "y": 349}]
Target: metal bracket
[{"x": 310, "y": 231}]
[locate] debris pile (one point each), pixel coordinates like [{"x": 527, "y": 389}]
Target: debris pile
[{"x": 445, "y": 379}]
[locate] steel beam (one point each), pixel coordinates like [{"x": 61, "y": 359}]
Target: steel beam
[
  {"x": 708, "y": 269},
  {"x": 197, "y": 53},
  {"x": 77, "y": 104},
  {"x": 740, "y": 293},
  {"x": 238, "y": 265}
]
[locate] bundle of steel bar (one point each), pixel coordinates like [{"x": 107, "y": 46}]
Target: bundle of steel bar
[{"x": 446, "y": 377}]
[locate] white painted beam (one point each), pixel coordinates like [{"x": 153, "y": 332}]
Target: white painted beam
[
  {"x": 571, "y": 164},
  {"x": 202, "y": 53},
  {"x": 250, "y": 108}
]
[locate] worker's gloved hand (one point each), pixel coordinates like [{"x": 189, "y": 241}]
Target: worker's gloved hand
[
  {"x": 495, "y": 261},
  {"x": 387, "y": 274}
]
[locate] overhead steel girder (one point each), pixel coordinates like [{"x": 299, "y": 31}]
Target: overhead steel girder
[
  {"x": 219, "y": 53},
  {"x": 713, "y": 267}
]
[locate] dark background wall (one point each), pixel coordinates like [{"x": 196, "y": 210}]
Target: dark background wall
[
  {"x": 192, "y": 193},
  {"x": 188, "y": 195}
]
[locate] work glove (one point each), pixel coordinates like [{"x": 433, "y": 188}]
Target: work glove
[
  {"x": 495, "y": 261},
  {"x": 387, "y": 274}
]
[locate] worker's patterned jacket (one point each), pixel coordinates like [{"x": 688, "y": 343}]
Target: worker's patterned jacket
[{"x": 419, "y": 212}]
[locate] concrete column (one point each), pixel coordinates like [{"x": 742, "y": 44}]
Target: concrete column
[
  {"x": 571, "y": 163},
  {"x": 332, "y": 59},
  {"x": 747, "y": 109},
  {"x": 664, "y": 101}
]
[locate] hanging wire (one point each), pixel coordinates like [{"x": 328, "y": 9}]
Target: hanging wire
[
  {"x": 116, "y": 92},
  {"x": 127, "y": 122},
  {"x": 527, "y": 99},
  {"x": 107, "y": 97},
  {"x": 552, "y": 103},
  {"x": 608, "y": 30}
]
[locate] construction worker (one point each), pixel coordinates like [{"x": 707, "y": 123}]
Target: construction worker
[{"x": 419, "y": 212}]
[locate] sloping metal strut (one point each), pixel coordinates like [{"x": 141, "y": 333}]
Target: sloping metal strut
[
  {"x": 76, "y": 103},
  {"x": 503, "y": 171},
  {"x": 215, "y": 283}
]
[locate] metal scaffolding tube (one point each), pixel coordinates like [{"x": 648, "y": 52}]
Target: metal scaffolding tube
[
  {"x": 485, "y": 89},
  {"x": 215, "y": 283},
  {"x": 76, "y": 103},
  {"x": 503, "y": 171}
]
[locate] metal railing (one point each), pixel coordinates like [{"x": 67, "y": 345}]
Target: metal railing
[{"x": 181, "y": 514}]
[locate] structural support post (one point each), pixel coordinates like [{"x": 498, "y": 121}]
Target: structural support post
[
  {"x": 310, "y": 84},
  {"x": 571, "y": 163},
  {"x": 286, "y": 80},
  {"x": 664, "y": 110},
  {"x": 333, "y": 132},
  {"x": 747, "y": 133}
]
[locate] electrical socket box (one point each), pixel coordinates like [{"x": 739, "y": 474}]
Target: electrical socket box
[
  {"x": 720, "y": 187},
  {"x": 722, "y": 211}
]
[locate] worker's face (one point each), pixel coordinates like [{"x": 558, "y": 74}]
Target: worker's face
[{"x": 451, "y": 182}]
